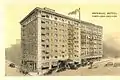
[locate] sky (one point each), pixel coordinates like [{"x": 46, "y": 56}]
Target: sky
[{"x": 16, "y": 10}]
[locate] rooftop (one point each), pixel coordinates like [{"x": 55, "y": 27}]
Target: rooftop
[{"x": 51, "y": 11}]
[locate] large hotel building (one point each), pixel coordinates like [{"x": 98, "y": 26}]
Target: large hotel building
[{"x": 47, "y": 36}]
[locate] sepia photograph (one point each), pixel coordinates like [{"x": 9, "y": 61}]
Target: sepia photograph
[{"x": 62, "y": 38}]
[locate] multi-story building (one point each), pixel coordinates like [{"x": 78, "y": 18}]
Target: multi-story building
[
  {"x": 47, "y": 36},
  {"x": 91, "y": 42}
]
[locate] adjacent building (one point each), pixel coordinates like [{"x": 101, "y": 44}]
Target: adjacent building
[
  {"x": 91, "y": 42},
  {"x": 47, "y": 36}
]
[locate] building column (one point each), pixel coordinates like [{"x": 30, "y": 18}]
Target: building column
[{"x": 39, "y": 59}]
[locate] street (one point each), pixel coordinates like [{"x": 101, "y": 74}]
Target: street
[{"x": 82, "y": 71}]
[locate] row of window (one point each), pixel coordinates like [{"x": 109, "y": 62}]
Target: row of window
[
  {"x": 55, "y": 29},
  {"x": 48, "y": 57},
  {"x": 90, "y": 53},
  {"x": 94, "y": 43},
  {"x": 44, "y": 45},
  {"x": 55, "y": 40},
  {"x": 91, "y": 38},
  {"x": 52, "y": 22},
  {"x": 83, "y": 27},
  {"x": 47, "y": 52},
  {"x": 91, "y": 48},
  {"x": 90, "y": 32},
  {"x": 55, "y": 35},
  {"x": 92, "y": 35},
  {"x": 52, "y": 17}
]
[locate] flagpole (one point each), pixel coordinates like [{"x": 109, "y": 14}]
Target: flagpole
[
  {"x": 74, "y": 12},
  {"x": 79, "y": 14}
]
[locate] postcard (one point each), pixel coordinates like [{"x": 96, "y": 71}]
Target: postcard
[{"x": 62, "y": 38}]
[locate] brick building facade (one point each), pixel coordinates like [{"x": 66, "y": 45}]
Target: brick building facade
[{"x": 47, "y": 36}]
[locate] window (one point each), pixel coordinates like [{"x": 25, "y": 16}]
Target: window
[
  {"x": 42, "y": 22},
  {"x": 55, "y": 28},
  {"x": 43, "y": 15},
  {"x": 47, "y": 28},
  {"x": 43, "y": 57},
  {"x": 56, "y": 45},
  {"x": 62, "y": 19},
  {"x": 55, "y": 50},
  {"x": 47, "y": 52},
  {"x": 47, "y": 22},
  {"x": 47, "y": 34},
  {"x": 42, "y": 28},
  {"x": 69, "y": 22},
  {"x": 55, "y": 18},
  {"x": 43, "y": 51},
  {"x": 56, "y": 35},
  {"x": 60, "y": 40},
  {"x": 22, "y": 61},
  {"x": 47, "y": 45},
  {"x": 43, "y": 40},
  {"x": 56, "y": 40},
  {"x": 43, "y": 45},
  {"x": 55, "y": 24},
  {"x": 31, "y": 64},
  {"x": 60, "y": 30},
  {"x": 47, "y": 40},
  {"x": 62, "y": 45},
  {"x": 55, "y": 56},
  {"x": 47, "y": 16},
  {"x": 43, "y": 34},
  {"x": 47, "y": 57}
]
